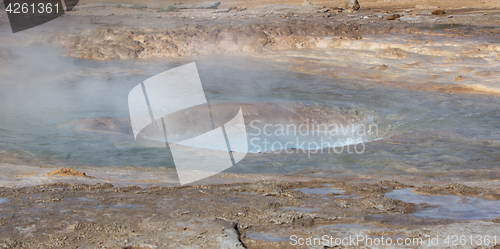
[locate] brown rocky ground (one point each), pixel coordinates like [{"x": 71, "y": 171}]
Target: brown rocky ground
[
  {"x": 309, "y": 35},
  {"x": 260, "y": 31},
  {"x": 365, "y": 4},
  {"x": 262, "y": 214},
  {"x": 110, "y": 32}
]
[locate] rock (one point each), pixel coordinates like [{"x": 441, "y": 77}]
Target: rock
[
  {"x": 104, "y": 44},
  {"x": 380, "y": 67},
  {"x": 229, "y": 236},
  {"x": 438, "y": 12},
  {"x": 393, "y": 17},
  {"x": 324, "y": 10},
  {"x": 202, "y": 5},
  {"x": 307, "y": 3},
  {"x": 66, "y": 172},
  {"x": 133, "y": 6},
  {"x": 393, "y": 53},
  {"x": 352, "y": 5}
]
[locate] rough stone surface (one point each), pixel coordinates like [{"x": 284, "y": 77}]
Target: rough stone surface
[
  {"x": 66, "y": 172},
  {"x": 352, "y": 5},
  {"x": 194, "y": 39},
  {"x": 438, "y": 12},
  {"x": 393, "y": 17}
]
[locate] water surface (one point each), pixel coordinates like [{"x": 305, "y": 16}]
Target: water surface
[{"x": 426, "y": 131}]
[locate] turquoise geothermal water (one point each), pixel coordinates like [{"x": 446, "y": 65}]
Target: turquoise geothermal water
[{"x": 442, "y": 132}]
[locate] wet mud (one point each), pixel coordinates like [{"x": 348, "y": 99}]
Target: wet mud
[{"x": 263, "y": 214}]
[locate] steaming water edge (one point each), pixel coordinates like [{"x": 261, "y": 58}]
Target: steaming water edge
[{"x": 447, "y": 131}]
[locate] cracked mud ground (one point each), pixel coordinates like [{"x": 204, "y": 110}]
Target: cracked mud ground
[{"x": 253, "y": 215}]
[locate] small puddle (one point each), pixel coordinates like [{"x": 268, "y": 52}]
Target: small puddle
[
  {"x": 299, "y": 209},
  {"x": 320, "y": 191},
  {"x": 4, "y": 200},
  {"x": 266, "y": 237},
  {"x": 86, "y": 199},
  {"x": 130, "y": 206},
  {"x": 127, "y": 206},
  {"x": 449, "y": 207}
]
